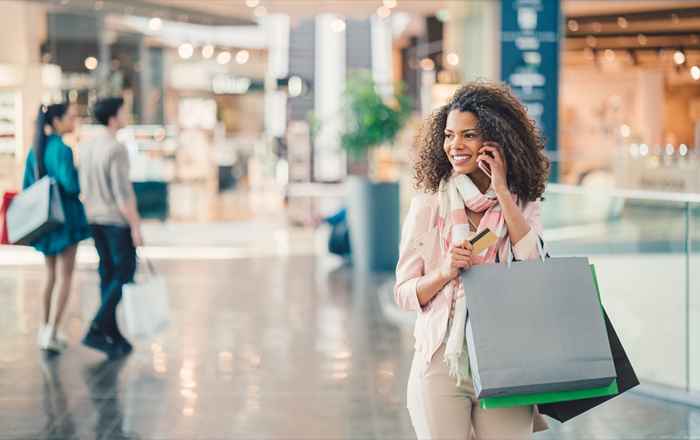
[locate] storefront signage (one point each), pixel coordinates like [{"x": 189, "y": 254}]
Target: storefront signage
[
  {"x": 224, "y": 84},
  {"x": 530, "y": 60}
]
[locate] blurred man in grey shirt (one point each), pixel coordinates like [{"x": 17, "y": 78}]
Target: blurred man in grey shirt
[{"x": 110, "y": 205}]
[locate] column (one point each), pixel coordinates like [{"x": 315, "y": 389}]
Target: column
[{"x": 330, "y": 59}]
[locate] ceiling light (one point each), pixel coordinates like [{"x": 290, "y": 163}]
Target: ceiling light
[
  {"x": 391, "y": 4},
  {"x": 224, "y": 57},
  {"x": 242, "y": 56},
  {"x": 295, "y": 86},
  {"x": 573, "y": 25},
  {"x": 625, "y": 130},
  {"x": 186, "y": 50},
  {"x": 679, "y": 57},
  {"x": 91, "y": 63},
  {"x": 383, "y": 12},
  {"x": 207, "y": 51},
  {"x": 260, "y": 11},
  {"x": 695, "y": 73},
  {"x": 252, "y": 3},
  {"x": 427, "y": 64},
  {"x": 155, "y": 24},
  {"x": 609, "y": 55},
  {"x": 338, "y": 25},
  {"x": 452, "y": 59}
]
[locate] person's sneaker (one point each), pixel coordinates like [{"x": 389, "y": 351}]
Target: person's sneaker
[
  {"x": 48, "y": 341},
  {"x": 99, "y": 341},
  {"x": 42, "y": 336},
  {"x": 112, "y": 347}
]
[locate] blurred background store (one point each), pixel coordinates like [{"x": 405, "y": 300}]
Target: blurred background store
[{"x": 239, "y": 119}]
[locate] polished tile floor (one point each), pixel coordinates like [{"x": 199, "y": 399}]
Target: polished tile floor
[{"x": 260, "y": 347}]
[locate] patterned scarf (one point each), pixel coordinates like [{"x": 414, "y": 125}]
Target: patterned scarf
[{"x": 457, "y": 193}]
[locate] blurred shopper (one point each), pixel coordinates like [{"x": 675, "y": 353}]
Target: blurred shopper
[
  {"x": 339, "y": 239},
  {"x": 114, "y": 220},
  {"x": 481, "y": 165},
  {"x": 50, "y": 156}
]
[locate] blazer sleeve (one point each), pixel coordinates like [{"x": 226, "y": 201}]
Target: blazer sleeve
[
  {"x": 411, "y": 266},
  {"x": 66, "y": 174},
  {"x": 527, "y": 248}
]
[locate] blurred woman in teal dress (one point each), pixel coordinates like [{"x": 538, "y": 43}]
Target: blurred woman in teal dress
[{"x": 51, "y": 156}]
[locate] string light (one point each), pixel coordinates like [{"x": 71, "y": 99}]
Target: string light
[
  {"x": 452, "y": 59},
  {"x": 155, "y": 24},
  {"x": 383, "y": 12},
  {"x": 242, "y": 56},
  {"x": 91, "y": 63},
  {"x": 679, "y": 57},
  {"x": 695, "y": 73},
  {"x": 338, "y": 25},
  {"x": 186, "y": 50},
  {"x": 224, "y": 57},
  {"x": 207, "y": 51}
]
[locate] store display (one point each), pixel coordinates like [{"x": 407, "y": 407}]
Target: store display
[{"x": 9, "y": 121}]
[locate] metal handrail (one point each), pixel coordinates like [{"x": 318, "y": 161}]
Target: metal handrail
[{"x": 637, "y": 194}]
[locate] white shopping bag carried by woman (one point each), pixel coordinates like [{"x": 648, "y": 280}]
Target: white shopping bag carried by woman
[{"x": 146, "y": 305}]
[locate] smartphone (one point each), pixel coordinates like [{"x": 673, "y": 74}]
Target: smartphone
[{"x": 484, "y": 166}]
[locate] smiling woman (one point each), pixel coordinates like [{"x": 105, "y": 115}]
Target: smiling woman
[
  {"x": 483, "y": 113},
  {"x": 482, "y": 169}
]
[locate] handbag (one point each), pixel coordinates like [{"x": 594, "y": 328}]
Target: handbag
[
  {"x": 34, "y": 212},
  {"x": 6, "y": 200},
  {"x": 146, "y": 305}
]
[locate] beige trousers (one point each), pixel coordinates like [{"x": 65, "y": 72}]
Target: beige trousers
[{"x": 440, "y": 410}]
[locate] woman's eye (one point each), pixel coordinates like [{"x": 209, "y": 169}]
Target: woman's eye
[{"x": 448, "y": 135}]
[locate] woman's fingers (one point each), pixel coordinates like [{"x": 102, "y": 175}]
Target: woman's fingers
[{"x": 462, "y": 252}]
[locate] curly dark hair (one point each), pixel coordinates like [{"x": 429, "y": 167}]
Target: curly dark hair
[{"x": 502, "y": 119}]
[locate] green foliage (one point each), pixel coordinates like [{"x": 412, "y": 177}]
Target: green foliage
[{"x": 370, "y": 119}]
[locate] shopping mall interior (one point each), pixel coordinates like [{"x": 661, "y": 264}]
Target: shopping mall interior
[{"x": 240, "y": 113}]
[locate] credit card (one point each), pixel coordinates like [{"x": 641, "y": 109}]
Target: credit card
[{"x": 482, "y": 241}]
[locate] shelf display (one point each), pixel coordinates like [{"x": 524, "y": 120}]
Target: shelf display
[{"x": 9, "y": 122}]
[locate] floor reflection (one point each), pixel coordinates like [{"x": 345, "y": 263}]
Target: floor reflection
[{"x": 290, "y": 347}]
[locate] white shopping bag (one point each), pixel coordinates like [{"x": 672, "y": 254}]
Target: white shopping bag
[{"x": 146, "y": 305}]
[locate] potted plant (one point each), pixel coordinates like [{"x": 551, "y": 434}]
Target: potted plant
[{"x": 372, "y": 120}]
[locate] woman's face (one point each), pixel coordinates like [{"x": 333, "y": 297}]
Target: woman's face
[
  {"x": 66, "y": 124},
  {"x": 462, "y": 141}
]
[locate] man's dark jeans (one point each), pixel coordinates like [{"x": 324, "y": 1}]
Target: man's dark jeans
[{"x": 117, "y": 267}]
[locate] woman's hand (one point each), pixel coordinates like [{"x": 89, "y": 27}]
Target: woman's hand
[
  {"x": 490, "y": 153},
  {"x": 458, "y": 257}
]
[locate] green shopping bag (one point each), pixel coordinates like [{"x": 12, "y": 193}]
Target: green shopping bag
[{"x": 551, "y": 397}]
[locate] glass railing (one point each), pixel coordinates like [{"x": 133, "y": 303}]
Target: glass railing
[{"x": 646, "y": 249}]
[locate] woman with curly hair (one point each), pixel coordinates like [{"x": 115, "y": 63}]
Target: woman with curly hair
[{"x": 481, "y": 165}]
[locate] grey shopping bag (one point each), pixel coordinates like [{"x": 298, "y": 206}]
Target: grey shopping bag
[
  {"x": 534, "y": 327},
  {"x": 35, "y": 211}
]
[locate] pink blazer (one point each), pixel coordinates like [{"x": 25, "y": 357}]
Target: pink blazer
[{"x": 420, "y": 253}]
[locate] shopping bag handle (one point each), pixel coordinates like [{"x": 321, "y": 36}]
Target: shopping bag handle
[
  {"x": 149, "y": 264},
  {"x": 540, "y": 249}
]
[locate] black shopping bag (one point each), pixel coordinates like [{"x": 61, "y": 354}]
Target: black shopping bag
[{"x": 626, "y": 380}]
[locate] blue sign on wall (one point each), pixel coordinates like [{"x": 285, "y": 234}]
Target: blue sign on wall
[{"x": 530, "y": 61}]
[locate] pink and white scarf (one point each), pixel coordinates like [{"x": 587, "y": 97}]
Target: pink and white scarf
[{"x": 457, "y": 194}]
